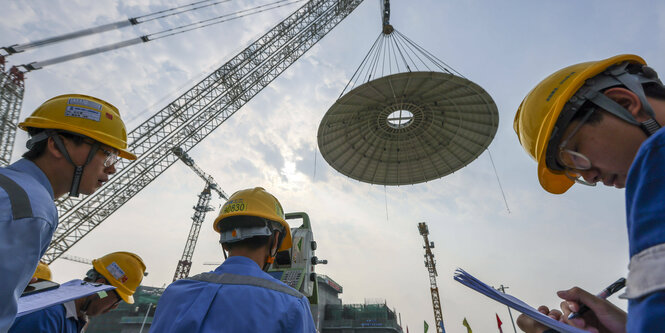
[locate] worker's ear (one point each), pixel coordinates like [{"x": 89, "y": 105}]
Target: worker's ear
[
  {"x": 629, "y": 100},
  {"x": 52, "y": 148}
]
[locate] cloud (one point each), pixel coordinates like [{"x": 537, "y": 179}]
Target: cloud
[{"x": 367, "y": 232}]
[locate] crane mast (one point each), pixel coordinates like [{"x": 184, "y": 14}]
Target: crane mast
[
  {"x": 431, "y": 268},
  {"x": 191, "y": 117},
  {"x": 200, "y": 210}
]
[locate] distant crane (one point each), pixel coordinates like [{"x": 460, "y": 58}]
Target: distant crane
[
  {"x": 77, "y": 259},
  {"x": 431, "y": 268},
  {"x": 200, "y": 210}
]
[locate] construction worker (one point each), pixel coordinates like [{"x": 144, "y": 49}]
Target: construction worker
[
  {"x": 239, "y": 296},
  {"x": 595, "y": 122},
  {"x": 123, "y": 270},
  {"x": 43, "y": 272},
  {"x": 74, "y": 143}
]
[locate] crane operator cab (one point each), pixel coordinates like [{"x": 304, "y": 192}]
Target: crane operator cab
[{"x": 295, "y": 266}]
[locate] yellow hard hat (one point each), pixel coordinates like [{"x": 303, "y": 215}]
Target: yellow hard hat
[
  {"x": 84, "y": 115},
  {"x": 43, "y": 272},
  {"x": 537, "y": 116},
  {"x": 123, "y": 270},
  {"x": 255, "y": 202}
]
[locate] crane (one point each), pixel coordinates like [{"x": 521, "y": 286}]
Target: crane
[
  {"x": 431, "y": 268},
  {"x": 200, "y": 210},
  {"x": 12, "y": 87},
  {"x": 191, "y": 117}
]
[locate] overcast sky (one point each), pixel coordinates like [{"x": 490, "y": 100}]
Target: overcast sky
[{"x": 368, "y": 233}]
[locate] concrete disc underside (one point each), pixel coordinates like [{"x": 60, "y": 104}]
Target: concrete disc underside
[{"x": 408, "y": 128}]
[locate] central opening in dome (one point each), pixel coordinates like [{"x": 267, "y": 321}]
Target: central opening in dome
[{"x": 400, "y": 119}]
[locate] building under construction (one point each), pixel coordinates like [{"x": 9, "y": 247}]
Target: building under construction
[{"x": 330, "y": 315}]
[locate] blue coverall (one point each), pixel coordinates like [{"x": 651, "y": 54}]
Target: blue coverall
[
  {"x": 25, "y": 231},
  {"x": 190, "y": 306}
]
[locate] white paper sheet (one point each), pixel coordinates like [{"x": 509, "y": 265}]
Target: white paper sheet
[
  {"x": 66, "y": 292},
  {"x": 468, "y": 280}
]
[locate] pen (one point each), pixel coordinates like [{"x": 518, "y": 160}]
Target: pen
[{"x": 607, "y": 292}]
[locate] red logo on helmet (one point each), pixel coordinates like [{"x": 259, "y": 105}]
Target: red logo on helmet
[
  {"x": 108, "y": 115},
  {"x": 124, "y": 278}
]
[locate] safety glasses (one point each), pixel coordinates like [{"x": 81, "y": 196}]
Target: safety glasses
[
  {"x": 111, "y": 155},
  {"x": 572, "y": 160}
]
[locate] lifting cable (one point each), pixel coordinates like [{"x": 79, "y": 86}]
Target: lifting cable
[
  {"x": 159, "y": 35},
  {"x": 497, "y": 180},
  {"x": 391, "y": 53},
  {"x": 17, "y": 48}
]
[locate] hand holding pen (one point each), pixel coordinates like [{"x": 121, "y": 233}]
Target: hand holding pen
[{"x": 607, "y": 292}]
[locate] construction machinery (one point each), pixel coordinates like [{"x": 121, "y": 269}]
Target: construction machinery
[
  {"x": 194, "y": 115},
  {"x": 431, "y": 269},
  {"x": 295, "y": 266},
  {"x": 200, "y": 210},
  {"x": 12, "y": 87}
]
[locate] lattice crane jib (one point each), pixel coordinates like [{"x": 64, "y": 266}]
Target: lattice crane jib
[
  {"x": 200, "y": 210},
  {"x": 430, "y": 263},
  {"x": 11, "y": 98},
  {"x": 191, "y": 117}
]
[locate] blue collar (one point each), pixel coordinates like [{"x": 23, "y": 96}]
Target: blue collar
[
  {"x": 245, "y": 262},
  {"x": 28, "y": 167}
]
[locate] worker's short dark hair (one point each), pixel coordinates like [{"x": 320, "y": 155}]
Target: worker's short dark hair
[
  {"x": 38, "y": 148},
  {"x": 253, "y": 243},
  {"x": 93, "y": 275}
]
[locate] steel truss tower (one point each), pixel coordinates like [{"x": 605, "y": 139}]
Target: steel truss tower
[
  {"x": 431, "y": 268},
  {"x": 192, "y": 116},
  {"x": 11, "y": 99},
  {"x": 200, "y": 210}
]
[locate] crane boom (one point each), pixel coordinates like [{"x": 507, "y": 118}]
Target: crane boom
[
  {"x": 431, "y": 269},
  {"x": 12, "y": 88},
  {"x": 77, "y": 259},
  {"x": 195, "y": 114},
  {"x": 185, "y": 158}
]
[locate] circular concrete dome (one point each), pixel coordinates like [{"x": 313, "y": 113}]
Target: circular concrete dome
[{"x": 408, "y": 128}]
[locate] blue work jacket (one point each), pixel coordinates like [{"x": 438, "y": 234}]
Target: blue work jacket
[
  {"x": 645, "y": 212},
  {"x": 59, "y": 318},
  {"x": 27, "y": 221},
  {"x": 190, "y": 306}
]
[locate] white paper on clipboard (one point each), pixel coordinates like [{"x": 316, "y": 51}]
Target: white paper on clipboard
[{"x": 66, "y": 292}]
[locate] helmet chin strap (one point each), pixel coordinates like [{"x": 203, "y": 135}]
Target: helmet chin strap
[
  {"x": 270, "y": 258},
  {"x": 78, "y": 169}
]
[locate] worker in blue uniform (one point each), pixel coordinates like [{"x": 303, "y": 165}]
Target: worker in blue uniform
[
  {"x": 123, "y": 270},
  {"x": 239, "y": 296},
  {"x": 74, "y": 143},
  {"x": 600, "y": 121}
]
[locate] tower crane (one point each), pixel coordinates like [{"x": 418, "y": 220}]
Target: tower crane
[
  {"x": 191, "y": 117},
  {"x": 200, "y": 210},
  {"x": 431, "y": 268}
]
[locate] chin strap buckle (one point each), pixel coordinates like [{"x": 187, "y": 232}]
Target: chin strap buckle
[{"x": 650, "y": 126}]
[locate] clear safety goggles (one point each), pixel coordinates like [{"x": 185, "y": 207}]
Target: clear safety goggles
[
  {"x": 574, "y": 161},
  {"x": 111, "y": 155}
]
